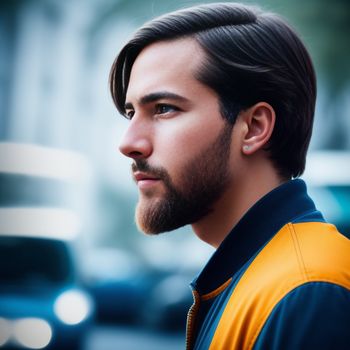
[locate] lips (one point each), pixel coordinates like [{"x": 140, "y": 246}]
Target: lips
[
  {"x": 145, "y": 180},
  {"x": 140, "y": 176}
]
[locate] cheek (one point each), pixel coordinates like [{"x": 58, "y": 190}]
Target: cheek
[{"x": 178, "y": 145}]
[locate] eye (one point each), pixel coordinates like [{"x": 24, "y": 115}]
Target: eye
[
  {"x": 129, "y": 114},
  {"x": 165, "y": 108}
]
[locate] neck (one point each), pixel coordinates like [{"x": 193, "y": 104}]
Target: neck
[{"x": 241, "y": 194}]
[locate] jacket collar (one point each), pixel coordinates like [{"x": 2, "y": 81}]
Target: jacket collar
[{"x": 263, "y": 220}]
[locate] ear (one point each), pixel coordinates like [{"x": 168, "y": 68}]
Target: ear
[{"x": 259, "y": 121}]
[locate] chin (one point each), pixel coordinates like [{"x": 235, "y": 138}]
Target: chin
[{"x": 142, "y": 218}]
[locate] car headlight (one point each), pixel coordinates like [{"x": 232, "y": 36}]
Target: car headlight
[
  {"x": 5, "y": 331},
  {"x": 30, "y": 332},
  {"x": 73, "y": 307},
  {"x": 33, "y": 333}
]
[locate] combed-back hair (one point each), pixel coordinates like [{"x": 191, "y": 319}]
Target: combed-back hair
[{"x": 250, "y": 56}]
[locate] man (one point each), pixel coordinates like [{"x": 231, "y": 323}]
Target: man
[{"x": 221, "y": 100}]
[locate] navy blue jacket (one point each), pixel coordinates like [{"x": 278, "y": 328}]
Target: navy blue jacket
[{"x": 279, "y": 280}]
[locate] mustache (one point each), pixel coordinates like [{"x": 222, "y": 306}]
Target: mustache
[{"x": 143, "y": 166}]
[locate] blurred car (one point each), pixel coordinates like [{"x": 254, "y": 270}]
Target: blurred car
[
  {"x": 168, "y": 303},
  {"x": 41, "y": 303},
  {"x": 149, "y": 297},
  {"x": 118, "y": 284}
]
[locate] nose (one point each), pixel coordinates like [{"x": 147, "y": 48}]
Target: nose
[{"x": 136, "y": 142}]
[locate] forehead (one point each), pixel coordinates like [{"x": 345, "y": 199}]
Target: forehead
[{"x": 167, "y": 65}]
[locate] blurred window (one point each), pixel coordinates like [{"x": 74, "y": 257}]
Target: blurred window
[
  {"x": 34, "y": 262},
  {"x": 18, "y": 189}
]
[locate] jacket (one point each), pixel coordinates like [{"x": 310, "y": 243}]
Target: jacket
[{"x": 279, "y": 280}]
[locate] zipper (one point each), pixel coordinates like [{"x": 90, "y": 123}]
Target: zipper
[{"x": 191, "y": 319}]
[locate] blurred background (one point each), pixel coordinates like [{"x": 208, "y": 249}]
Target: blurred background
[{"x": 75, "y": 273}]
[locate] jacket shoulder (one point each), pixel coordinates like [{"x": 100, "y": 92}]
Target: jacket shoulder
[{"x": 298, "y": 254}]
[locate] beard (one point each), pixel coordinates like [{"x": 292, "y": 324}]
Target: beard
[{"x": 203, "y": 181}]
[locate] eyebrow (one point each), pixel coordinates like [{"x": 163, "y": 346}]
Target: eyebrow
[{"x": 155, "y": 96}]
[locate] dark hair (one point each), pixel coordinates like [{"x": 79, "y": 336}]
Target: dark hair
[{"x": 251, "y": 56}]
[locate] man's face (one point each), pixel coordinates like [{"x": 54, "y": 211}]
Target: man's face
[{"x": 177, "y": 137}]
